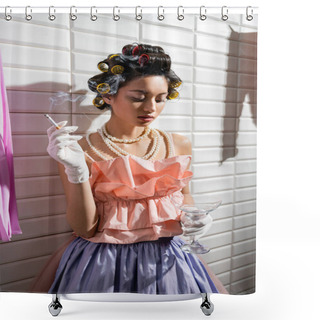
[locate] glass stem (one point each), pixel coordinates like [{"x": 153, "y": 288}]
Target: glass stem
[{"x": 192, "y": 240}]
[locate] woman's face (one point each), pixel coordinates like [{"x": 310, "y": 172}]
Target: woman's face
[{"x": 141, "y": 97}]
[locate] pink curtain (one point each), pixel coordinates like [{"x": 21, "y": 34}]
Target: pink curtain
[{"x": 9, "y": 223}]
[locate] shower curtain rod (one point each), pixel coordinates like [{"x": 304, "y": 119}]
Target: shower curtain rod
[{"x": 126, "y": 9}]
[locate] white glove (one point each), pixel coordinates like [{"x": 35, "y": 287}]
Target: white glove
[
  {"x": 65, "y": 149},
  {"x": 195, "y": 225}
]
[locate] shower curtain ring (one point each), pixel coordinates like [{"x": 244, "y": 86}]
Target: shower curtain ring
[
  {"x": 203, "y": 16},
  {"x": 8, "y": 17},
  {"x": 93, "y": 17},
  {"x": 28, "y": 11},
  {"x": 51, "y": 15},
  {"x": 138, "y": 16},
  {"x": 224, "y": 13},
  {"x": 160, "y": 16},
  {"x": 73, "y": 17},
  {"x": 249, "y": 16},
  {"x": 180, "y": 15},
  {"x": 116, "y": 17}
]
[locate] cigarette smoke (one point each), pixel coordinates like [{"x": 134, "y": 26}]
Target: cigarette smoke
[{"x": 61, "y": 97}]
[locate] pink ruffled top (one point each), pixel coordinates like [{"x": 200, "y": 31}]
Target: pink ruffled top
[{"x": 134, "y": 197}]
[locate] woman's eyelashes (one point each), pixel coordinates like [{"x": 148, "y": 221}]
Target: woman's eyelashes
[
  {"x": 137, "y": 99},
  {"x": 159, "y": 100}
]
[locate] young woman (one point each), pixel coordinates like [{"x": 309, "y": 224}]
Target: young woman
[{"x": 120, "y": 183}]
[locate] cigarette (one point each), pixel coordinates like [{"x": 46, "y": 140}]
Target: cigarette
[
  {"x": 52, "y": 121},
  {"x": 58, "y": 127}
]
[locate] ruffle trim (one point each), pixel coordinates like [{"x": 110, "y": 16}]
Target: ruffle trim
[
  {"x": 131, "y": 177},
  {"x": 134, "y": 197}
]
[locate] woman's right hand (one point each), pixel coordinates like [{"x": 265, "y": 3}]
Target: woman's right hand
[{"x": 65, "y": 149}]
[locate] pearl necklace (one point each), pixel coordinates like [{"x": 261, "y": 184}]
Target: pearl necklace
[
  {"x": 120, "y": 152},
  {"x": 156, "y": 144},
  {"x": 114, "y": 139}
]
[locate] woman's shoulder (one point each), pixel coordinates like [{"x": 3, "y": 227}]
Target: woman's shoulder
[{"x": 182, "y": 144}]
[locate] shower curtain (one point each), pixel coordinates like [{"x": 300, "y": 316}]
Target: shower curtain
[
  {"x": 46, "y": 65},
  {"x": 8, "y": 205}
]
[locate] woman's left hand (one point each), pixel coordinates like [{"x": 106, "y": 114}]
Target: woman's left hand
[{"x": 195, "y": 225}]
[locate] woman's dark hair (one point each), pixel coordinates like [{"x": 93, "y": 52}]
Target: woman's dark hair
[{"x": 136, "y": 60}]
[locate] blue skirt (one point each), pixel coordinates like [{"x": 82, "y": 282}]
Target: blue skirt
[{"x": 149, "y": 267}]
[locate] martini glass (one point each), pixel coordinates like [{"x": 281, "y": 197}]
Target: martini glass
[{"x": 197, "y": 210}]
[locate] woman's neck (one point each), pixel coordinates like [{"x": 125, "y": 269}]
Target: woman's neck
[{"x": 122, "y": 131}]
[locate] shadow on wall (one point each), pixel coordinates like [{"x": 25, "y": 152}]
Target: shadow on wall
[
  {"x": 28, "y": 104},
  {"x": 47, "y": 97},
  {"x": 41, "y": 207},
  {"x": 246, "y": 51}
]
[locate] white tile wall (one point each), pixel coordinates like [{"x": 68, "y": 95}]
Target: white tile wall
[
  {"x": 35, "y": 102},
  {"x": 41, "y": 206},
  {"x": 31, "y": 248},
  {"x": 217, "y": 110},
  {"x": 28, "y": 57},
  {"x": 167, "y": 35},
  {"x": 17, "y": 32},
  {"x": 33, "y": 80},
  {"x": 128, "y": 28}
]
